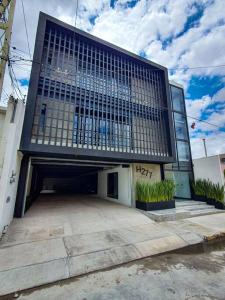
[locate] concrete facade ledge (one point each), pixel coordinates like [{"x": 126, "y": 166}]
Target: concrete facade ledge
[{"x": 36, "y": 263}]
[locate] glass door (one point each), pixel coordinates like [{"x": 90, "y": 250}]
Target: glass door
[{"x": 182, "y": 183}]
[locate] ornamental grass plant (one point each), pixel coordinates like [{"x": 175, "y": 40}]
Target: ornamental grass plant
[
  {"x": 200, "y": 187},
  {"x": 155, "y": 192},
  {"x": 218, "y": 193},
  {"x": 206, "y": 188}
]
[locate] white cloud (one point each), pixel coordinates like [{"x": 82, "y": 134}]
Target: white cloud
[
  {"x": 215, "y": 144},
  {"x": 144, "y": 27},
  {"x": 197, "y": 106},
  {"x": 213, "y": 130}
]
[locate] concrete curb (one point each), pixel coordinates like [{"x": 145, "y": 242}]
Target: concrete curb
[
  {"x": 70, "y": 267},
  {"x": 25, "y": 277},
  {"x": 37, "y": 263}
]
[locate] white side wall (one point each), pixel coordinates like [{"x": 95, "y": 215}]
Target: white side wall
[
  {"x": 2, "y": 122},
  {"x": 124, "y": 185},
  {"x": 10, "y": 160},
  {"x": 208, "y": 168},
  {"x": 222, "y": 166}
]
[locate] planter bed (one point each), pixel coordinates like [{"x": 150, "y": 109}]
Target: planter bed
[
  {"x": 211, "y": 201},
  {"x": 219, "y": 205},
  {"x": 200, "y": 198},
  {"x": 155, "y": 205}
]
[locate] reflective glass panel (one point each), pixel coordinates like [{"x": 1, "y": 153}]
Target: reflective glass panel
[
  {"x": 183, "y": 151},
  {"x": 177, "y": 98},
  {"x": 180, "y": 126}
]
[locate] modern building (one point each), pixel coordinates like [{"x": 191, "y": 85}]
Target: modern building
[
  {"x": 98, "y": 118},
  {"x": 211, "y": 167}
]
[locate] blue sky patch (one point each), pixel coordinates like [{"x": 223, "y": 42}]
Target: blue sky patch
[
  {"x": 142, "y": 53},
  {"x": 132, "y": 3},
  {"x": 192, "y": 21},
  {"x": 92, "y": 19},
  {"x": 201, "y": 86},
  {"x": 24, "y": 82},
  {"x": 128, "y": 4}
]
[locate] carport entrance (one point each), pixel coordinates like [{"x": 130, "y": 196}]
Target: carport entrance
[{"x": 63, "y": 177}]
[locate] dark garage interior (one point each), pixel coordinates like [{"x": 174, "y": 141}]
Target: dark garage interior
[
  {"x": 61, "y": 178},
  {"x": 50, "y": 176}
]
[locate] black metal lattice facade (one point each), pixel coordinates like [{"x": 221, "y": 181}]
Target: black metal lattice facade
[{"x": 91, "y": 96}]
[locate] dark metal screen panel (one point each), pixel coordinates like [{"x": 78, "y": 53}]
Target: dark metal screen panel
[{"x": 92, "y": 97}]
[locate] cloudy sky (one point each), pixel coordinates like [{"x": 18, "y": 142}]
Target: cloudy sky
[{"x": 179, "y": 34}]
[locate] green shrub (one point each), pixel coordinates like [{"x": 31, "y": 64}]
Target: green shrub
[
  {"x": 210, "y": 190},
  {"x": 219, "y": 193},
  {"x": 203, "y": 187},
  {"x": 155, "y": 192}
]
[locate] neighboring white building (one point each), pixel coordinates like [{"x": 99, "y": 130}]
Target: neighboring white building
[
  {"x": 11, "y": 121},
  {"x": 212, "y": 168}
]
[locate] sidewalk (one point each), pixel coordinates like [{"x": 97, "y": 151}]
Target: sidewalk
[{"x": 40, "y": 262}]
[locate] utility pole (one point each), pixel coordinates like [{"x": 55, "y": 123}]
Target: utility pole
[
  {"x": 204, "y": 143},
  {"x": 6, "y": 22}
]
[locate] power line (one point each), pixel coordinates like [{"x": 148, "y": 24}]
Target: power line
[
  {"x": 199, "y": 67},
  {"x": 73, "y": 75},
  {"x": 25, "y": 23},
  {"x": 203, "y": 121},
  {"x": 76, "y": 11},
  {"x": 151, "y": 69},
  {"x": 21, "y": 68},
  {"x": 16, "y": 50},
  {"x": 4, "y": 91},
  {"x": 14, "y": 82}
]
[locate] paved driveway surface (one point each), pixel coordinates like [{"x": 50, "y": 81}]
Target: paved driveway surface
[{"x": 53, "y": 216}]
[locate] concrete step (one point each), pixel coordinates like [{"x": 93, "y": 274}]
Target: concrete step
[
  {"x": 189, "y": 202},
  {"x": 197, "y": 207},
  {"x": 183, "y": 210},
  {"x": 197, "y": 213}
]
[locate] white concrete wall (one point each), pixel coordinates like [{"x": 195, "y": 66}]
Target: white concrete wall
[
  {"x": 10, "y": 160},
  {"x": 222, "y": 166},
  {"x": 124, "y": 185},
  {"x": 208, "y": 168},
  {"x": 2, "y": 122}
]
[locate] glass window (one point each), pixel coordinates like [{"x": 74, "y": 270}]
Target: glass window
[
  {"x": 183, "y": 151},
  {"x": 177, "y": 98},
  {"x": 103, "y": 132},
  {"x": 180, "y": 126}
]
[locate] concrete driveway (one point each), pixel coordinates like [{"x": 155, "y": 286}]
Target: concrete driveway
[{"x": 53, "y": 216}]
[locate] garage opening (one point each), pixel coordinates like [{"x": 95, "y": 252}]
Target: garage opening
[
  {"x": 69, "y": 179},
  {"x": 51, "y": 177}
]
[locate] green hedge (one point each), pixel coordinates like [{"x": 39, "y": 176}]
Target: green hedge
[
  {"x": 206, "y": 188},
  {"x": 155, "y": 192}
]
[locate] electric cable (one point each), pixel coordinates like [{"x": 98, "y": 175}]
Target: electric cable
[{"x": 25, "y": 23}]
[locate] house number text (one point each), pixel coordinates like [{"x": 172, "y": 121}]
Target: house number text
[{"x": 144, "y": 171}]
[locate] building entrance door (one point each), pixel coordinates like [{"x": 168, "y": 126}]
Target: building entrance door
[
  {"x": 182, "y": 185},
  {"x": 182, "y": 182}
]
